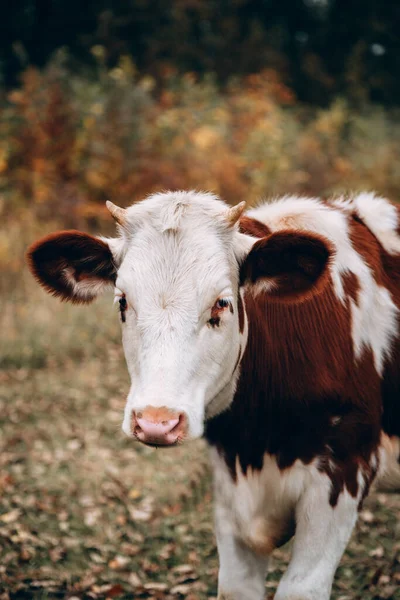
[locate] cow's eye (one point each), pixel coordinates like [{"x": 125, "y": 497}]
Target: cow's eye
[
  {"x": 216, "y": 311},
  {"x": 222, "y": 303},
  {"x": 123, "y": 305}
]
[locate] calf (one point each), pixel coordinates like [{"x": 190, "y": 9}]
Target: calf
[{"x": 275, "y": 335}]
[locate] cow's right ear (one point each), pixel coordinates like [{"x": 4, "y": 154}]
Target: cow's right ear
[
  {"x": 71, "y": 265},
  {"x": 287, "y": 265}
]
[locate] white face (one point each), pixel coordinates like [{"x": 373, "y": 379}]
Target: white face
[{"x": 178, "y": 282}]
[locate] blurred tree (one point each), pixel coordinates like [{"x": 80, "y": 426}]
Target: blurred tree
[{"x": 320, "y": 47}]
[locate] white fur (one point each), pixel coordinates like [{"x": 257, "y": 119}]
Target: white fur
[
  {"x": 180, "y": 259},
  {"x": 85, "y": 289},
  {"x": 250, "y": 510},
  {"x": 322, "y": 534},
  {"x": 380, "y": 216},
  {"x": 374, "y": 323}
]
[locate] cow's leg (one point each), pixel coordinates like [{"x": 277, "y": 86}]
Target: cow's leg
[
  {"x": 241, "y": 572},
  {"x": 322, "y": 533}
]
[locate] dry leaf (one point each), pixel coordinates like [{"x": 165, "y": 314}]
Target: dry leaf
[
  {"x": 156, "y": 587},
  {"x": 182, "y": 589},
  {"x": 119, "y": 562},
  {"x": 134, "y": 580},
  {"x": 10, "y": 517}
]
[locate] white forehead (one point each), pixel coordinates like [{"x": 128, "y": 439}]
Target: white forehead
[
  {"x": 177, "y": 246},
  {"x": 178, "y": 210}
]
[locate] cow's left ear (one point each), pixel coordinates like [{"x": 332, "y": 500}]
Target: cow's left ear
[
  {"x": 72, "y": 265},
  {"x": 287, "y": 265}
]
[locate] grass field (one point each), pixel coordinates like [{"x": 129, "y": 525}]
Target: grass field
[{"x": 84, "y": 513}]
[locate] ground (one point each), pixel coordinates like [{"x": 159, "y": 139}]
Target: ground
[{"x": 86, "y": 513}]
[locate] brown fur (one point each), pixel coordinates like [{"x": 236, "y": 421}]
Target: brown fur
[
  {"x": 253, "y": 227},
  {"x": 240, "y": 312},
  {"x": 300, "y": 394},
  {"x": 386, "y": 269},
  {"x": 87, "y": 256},
  {"x": 296, "y": 263}
]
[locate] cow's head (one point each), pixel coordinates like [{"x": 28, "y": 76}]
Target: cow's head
[{"x": 178, "y": 268}]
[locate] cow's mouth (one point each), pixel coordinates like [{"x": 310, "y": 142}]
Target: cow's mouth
[{"x": 157, "y": 445}]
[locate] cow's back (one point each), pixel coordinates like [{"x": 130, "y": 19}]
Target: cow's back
[
  {"x": 376, "y": 227},
  {"x": 391, "y": 379}
]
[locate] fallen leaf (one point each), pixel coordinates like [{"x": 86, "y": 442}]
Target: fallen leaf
[
  {"x": 134, "y": 580},
  {"x": 134, "y": 494},
  {"x": 119, "y": 562},
  {"x": 182, "y": 589},
  {"x": 11, "y": 516},
  {"x": 377, "y": 552},
  {"x": 115, "y": 590},
  {"x": 155, "y": 587}
]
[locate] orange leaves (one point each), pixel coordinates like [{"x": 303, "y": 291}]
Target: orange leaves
[{"x": 69, "y": 142}]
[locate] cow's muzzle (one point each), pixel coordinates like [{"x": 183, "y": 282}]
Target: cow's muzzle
[{"x": 159, "y": 426}]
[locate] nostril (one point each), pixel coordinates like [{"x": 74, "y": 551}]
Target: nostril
[
  {"x": 181, "y": 422},
  {"x": 159, "y": 426}
]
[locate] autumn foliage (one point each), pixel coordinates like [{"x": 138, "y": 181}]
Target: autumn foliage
[{"x": 68, "y": 141}]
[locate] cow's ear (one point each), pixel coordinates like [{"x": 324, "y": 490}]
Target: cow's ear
[
  {"x": 287, "y": 265},
  {"x": 72, "y": 265}
]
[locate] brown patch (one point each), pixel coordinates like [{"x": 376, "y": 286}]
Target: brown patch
[
  {"x": 351, "y": 286},
  {"x": 386, "y": 270},
  {"x": 240, "y": 311},
  {"x": 85, "y": 256},
  {"x": 301, "y": 395},
  {"x": 297, "y": 263},
  {"x": 123, "y": 306},
  {"x": 253, "y": 227},
  {"x": 215, "y": 318}
]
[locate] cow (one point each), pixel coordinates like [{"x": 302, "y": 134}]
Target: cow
[{"x": 273, "y": 333}]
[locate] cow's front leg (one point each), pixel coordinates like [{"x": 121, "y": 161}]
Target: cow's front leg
[
  {"x": 241, "y": 572},
  {"x": 322, "y": 533}
]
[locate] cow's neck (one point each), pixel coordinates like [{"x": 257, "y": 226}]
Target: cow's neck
[{"x": 290, "y": 388}]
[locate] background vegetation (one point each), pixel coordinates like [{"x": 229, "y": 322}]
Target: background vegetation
[{"x": 116, "y": 100}]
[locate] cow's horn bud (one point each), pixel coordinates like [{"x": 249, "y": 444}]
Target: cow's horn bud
[
  {"x": 119, "y": 214},
  {"x": 233, "y": 215}
]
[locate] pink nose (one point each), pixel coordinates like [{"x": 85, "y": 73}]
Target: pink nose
[{"x": 152, "y": 427}]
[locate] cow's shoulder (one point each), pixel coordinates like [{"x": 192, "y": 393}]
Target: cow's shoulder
[{"x": 365, "y": 267}]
